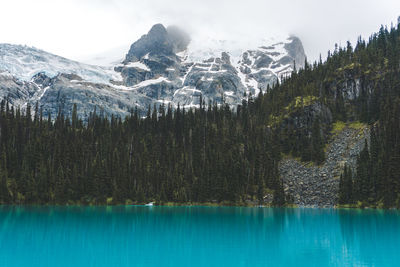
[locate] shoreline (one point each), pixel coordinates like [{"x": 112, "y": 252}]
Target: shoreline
[{"x": 207, "y": 204}]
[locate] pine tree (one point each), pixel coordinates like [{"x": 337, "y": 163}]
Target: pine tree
[{"x": 346, "y": 186}]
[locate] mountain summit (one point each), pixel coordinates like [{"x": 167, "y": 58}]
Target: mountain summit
[
  {"x": 166, "y": 66},
  {"x": 158, "y": 40}
]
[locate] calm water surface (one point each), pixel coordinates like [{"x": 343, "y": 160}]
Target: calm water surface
[{"x": 197, "y": 236}]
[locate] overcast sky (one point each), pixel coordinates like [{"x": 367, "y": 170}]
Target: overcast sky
[{"x": 78, "y": 28}]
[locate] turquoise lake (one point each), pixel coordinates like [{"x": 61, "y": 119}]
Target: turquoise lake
[{"x": 197, "y": 236}]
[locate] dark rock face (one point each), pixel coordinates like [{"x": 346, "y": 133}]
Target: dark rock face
[
  {"x": 296, "y": 50},
  {"x": 349, "y": 89},
  {"x": 42, "y": 80},
  {"x": 309, "y": 185},
  {"x": 16, "y": 91},
  {"x": 159, "y": 41},
  {"x": 156, "y": 51},
  {"x": 157, "y": 91},
  {"x": 134, "y": 76},
  {"x": 263, "y": 61},
  {"x": 156, "y": 41},
  {"x": 303, "y": 118}
]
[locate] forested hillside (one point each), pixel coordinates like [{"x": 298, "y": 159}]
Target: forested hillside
[
  {"x": 200, "y": 155},
  {"x": 215, "y": 154},
  {"x": 356, "y": 84}
]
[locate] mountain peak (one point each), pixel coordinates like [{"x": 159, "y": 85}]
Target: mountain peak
[
  {"x": 152, "y": 42},
  {"x": 157, "y": 30},
  {"x": 158, "y": 41}
]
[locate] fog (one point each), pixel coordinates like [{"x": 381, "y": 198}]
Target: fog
[{"x": 77, "y": 28}]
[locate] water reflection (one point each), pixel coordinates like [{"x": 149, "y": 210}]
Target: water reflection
[
  {"x": 195, "y": 236},
  {"x": 371, "y": 236}
]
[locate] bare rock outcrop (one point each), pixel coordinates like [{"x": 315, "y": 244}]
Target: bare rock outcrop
[{"x": 317, "y": 186}]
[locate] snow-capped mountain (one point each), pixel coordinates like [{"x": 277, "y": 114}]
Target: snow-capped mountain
[{"x": 162, "y": 67}]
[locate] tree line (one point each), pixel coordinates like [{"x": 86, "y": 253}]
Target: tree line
[{"x": 205, "y": 155}]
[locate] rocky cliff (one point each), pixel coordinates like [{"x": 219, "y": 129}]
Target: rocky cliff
[{"x": 309, "y": 185}]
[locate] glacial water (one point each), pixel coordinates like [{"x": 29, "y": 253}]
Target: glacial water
[{"x": 197, "y": 236}]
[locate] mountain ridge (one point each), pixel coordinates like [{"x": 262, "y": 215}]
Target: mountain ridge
[{"x": 159, "y": 68}]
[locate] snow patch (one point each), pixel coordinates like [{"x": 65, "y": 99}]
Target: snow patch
[
  {"x": 143, "y": 84},
  {"x": 138, "y": 65}
]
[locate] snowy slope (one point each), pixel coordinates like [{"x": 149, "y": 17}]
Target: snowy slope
[
  {"x": 203, "y": 49},
  {"x": 24, "y": 62},
  {"x": 247, "y": 58},
  {"x": 258, "y": 64}
]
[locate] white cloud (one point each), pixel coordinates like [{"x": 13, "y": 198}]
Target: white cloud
[{"x": 77, "y": 28}]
